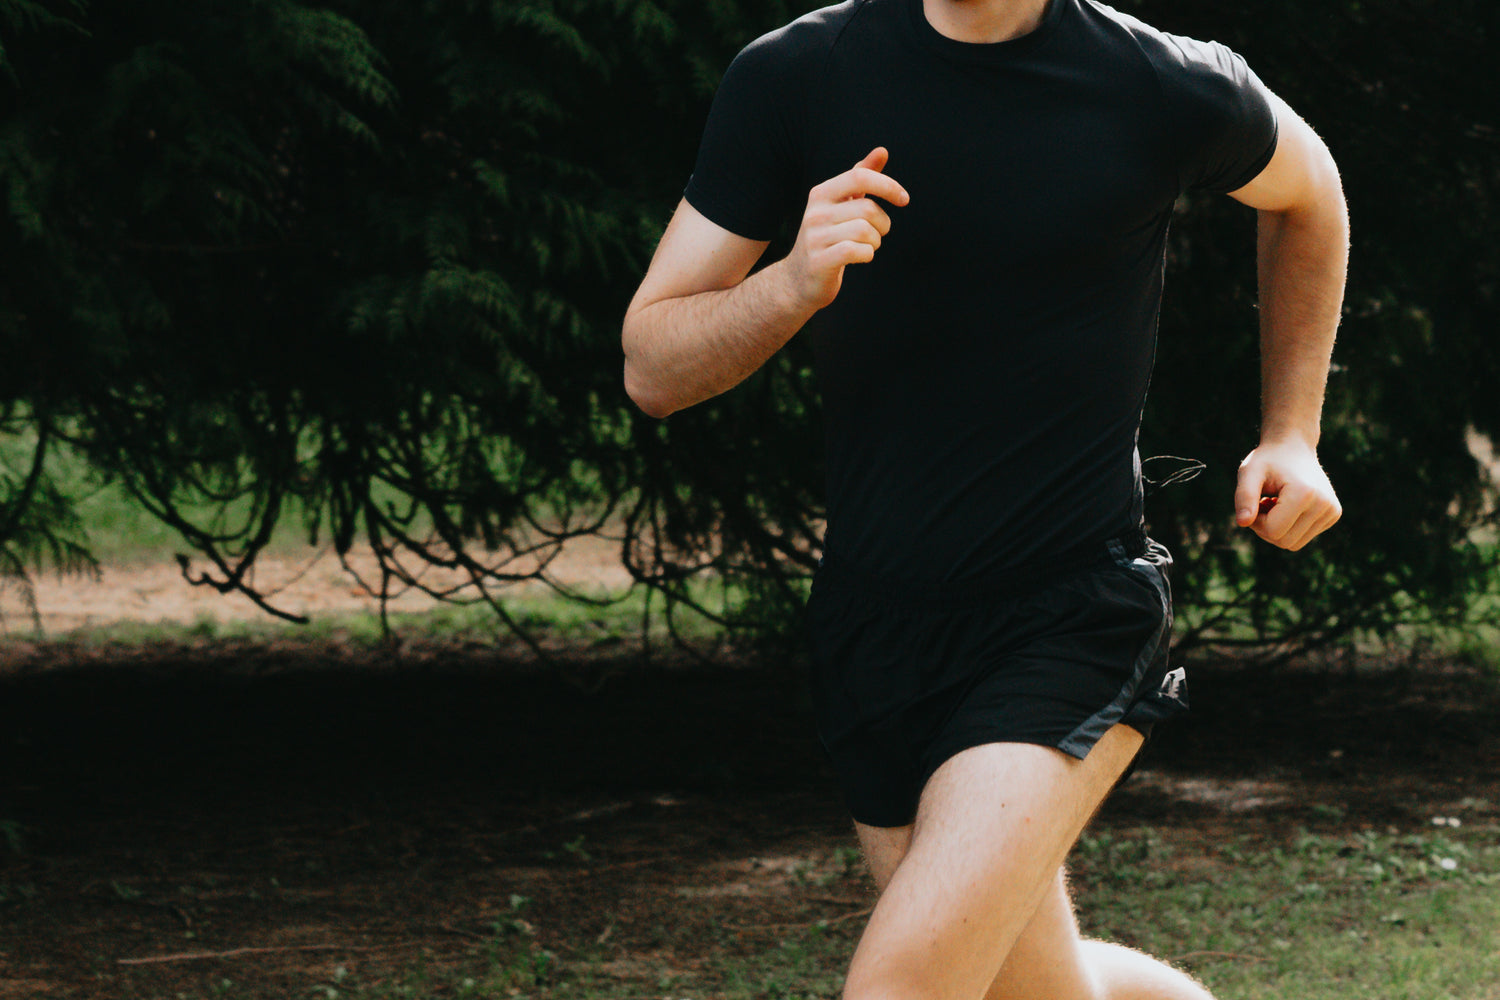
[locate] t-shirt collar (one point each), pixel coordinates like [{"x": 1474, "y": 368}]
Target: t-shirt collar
[{"x": 983, "y": 51}]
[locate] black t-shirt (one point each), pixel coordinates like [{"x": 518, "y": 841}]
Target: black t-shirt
[{"x": 983, "y": 377}]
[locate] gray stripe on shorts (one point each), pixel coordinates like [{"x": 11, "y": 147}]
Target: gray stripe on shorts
[{"x": 1081, "y": 740}]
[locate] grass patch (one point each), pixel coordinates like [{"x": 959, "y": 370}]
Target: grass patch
[
  {"x": 606, "y": 624},
  {"x": 1397, "y": 916},
  {"x": 1367, "y": 914}
]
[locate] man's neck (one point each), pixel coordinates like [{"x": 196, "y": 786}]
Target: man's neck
[{"x": 984, "y": 20}]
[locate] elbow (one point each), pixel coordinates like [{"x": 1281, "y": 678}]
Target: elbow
[
  {"x": 641, "y": 392},
  {"x": 1329, "y": 184},
  {"x": 1317, "y": 204},
  {"x": 1325, "y": 188},
  {"x": 639, "y": 386}
]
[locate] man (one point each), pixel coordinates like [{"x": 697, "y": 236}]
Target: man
[{"x": 989, "y": 622}]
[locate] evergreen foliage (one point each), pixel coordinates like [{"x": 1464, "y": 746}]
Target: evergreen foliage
[
  {"x": 364, "y": 264},
  {"x": 1407, "y": 100}
]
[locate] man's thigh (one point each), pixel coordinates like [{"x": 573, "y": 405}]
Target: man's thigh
[
  {"x": 993, "y": 827},
  {"x": 883, "y": 847},
  {"x": 1047, "y": 961}
]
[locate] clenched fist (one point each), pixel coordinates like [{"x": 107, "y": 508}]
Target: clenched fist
[
  {"x": 1283, "y": 494},
  {"x": 841, "y": 226}
]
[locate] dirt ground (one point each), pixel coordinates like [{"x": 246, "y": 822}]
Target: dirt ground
[
  {"x": 300, "y": 581},
  {"x": 294, "y": 808}
]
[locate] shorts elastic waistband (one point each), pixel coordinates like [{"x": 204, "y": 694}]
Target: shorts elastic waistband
[{"x": 1012, "y": 582}]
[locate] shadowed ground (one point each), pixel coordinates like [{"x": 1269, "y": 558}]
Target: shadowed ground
[{"x": 367, "y": 812}]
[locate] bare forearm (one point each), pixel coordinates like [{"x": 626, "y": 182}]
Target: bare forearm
[
  {"x": 1303, "y": 255},
  {"x": 701, "y": 323},
  {"x": 681, "y": 351},
  {"x": 1304, "y": 250}
]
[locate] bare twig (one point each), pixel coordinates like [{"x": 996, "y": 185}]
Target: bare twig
[
  {"x": 450, "y": 929},
  {"x": 830, "y": 922},
  {"x": 834, "y": 900},
  {"x": 196, "y": 956},
  {"x": 1219, "y": 954}
]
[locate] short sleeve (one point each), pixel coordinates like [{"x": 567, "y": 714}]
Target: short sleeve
[
  {"x": 747, "y": 175},
  {"x": 1222, "y": 116}
]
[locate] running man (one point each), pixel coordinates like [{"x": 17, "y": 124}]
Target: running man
[{"x": 989, "y": 623}]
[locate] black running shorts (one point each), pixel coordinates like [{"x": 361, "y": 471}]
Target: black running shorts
[{"x": 904, "y": 678}]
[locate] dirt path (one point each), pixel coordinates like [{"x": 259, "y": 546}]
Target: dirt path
[
  {"x": 297, "y": 808},
  {"x": 383, "y": 813},
  {"x": 310, "y": 582}
]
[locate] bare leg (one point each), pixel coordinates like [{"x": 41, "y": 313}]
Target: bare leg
[
  {"x": 976, "y": 884},
  {"x": 1051, "y": 961}
]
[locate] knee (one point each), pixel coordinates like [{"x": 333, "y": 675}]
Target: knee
[
  {"x": 1004, "y": 987},
  {"x": 890, "y": 986},
  {"x": 888, "y": 992}
]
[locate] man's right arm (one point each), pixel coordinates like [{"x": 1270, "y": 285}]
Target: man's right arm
[{"x": 699, "y": 326}]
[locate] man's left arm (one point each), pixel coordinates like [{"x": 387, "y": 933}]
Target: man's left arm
[{"x": 1303, "y": 254}]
